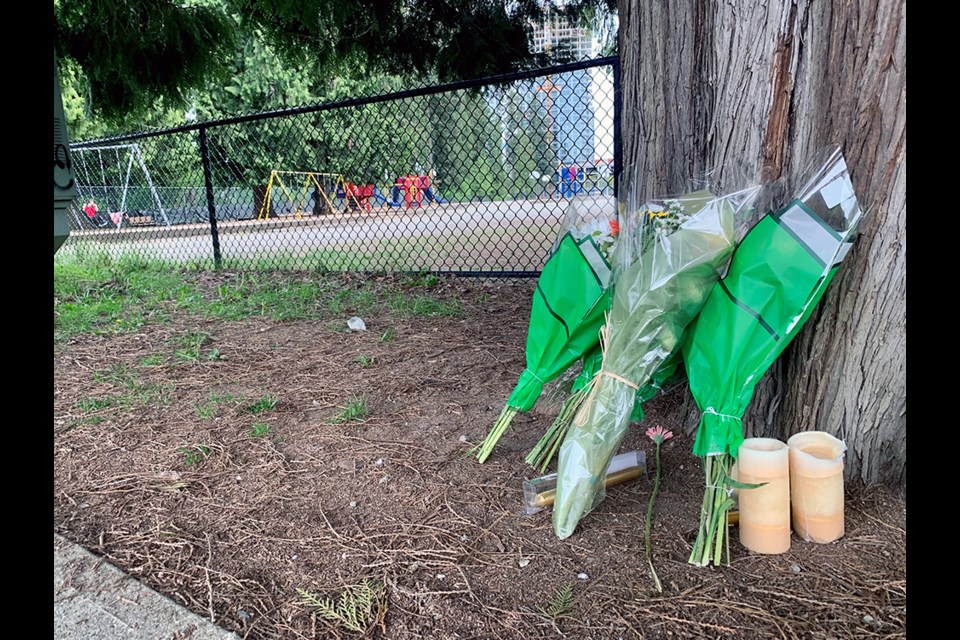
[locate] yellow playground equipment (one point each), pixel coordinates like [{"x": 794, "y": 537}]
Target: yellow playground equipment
[{"x": 328, "y": 186}]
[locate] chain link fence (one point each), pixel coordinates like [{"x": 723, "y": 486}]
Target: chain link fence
[{"x": 471, "y": 178}]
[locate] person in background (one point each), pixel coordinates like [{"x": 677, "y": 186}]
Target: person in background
[{"x": 91, "y": 210}]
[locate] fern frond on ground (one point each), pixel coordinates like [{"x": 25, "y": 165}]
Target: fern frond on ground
[{"x": 360, "y": 607}]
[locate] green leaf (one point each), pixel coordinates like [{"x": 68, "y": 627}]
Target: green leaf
[{"x": 730, "y": 482}]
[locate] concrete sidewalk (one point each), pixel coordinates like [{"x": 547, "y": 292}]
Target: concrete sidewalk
[{"x": 94, "y": 599}]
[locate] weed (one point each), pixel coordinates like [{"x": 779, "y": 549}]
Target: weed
[
  {"x": 195, "y": 454},
  {"x": 356, "y": 409},
  {"x": 560, "y": 604},
  {"x": 366, "y": 361},
  {"x": 266, "y": 403},
  {"x": 89, "y": 405},
  {"x": 359, "y": 608},
  {"x": 424, "y": 279},
  {"x": 389, "y": 335},
  {"x": 338, "y": 326},
  {"x": 90, "y": 420},
  {"x": 191, "y": 345},
  {"x": 154, "y": 392},
  {"x": 211, "y": 407},
  {"x": 152, "y": 360},
  {"x": 117, "y": 374},
  {"x": 259, "y": 429}
]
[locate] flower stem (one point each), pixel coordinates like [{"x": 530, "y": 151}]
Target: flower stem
[
  {"x": 653, "y": 497},
  {"x": 712, "y": 535},
  {"x": 542, "y": 453},
  {"x": 496, "y": 432}
]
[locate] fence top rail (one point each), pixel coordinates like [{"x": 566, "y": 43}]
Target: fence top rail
[
  {"x": 108, "y": 147},
  {"x": 458, "y": 85}
]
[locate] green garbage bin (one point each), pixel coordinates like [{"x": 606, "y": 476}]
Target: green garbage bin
[{"x": 64, "y": 186}]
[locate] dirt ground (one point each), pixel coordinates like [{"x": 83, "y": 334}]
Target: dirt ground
[{"x": 168, "y": 468}]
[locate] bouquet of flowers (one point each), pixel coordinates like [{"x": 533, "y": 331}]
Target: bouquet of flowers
[
  {"x": 777, "y": 275},
  {"x": 670, "y": 254},
  {"x": 569, "y": 303}
]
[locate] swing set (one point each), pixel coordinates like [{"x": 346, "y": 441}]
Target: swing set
[
  {"x": 116, "y": 165},
  {"x": 327, "y": 189}
]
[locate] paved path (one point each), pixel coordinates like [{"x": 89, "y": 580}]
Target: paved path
[
  {"x": 94, "y": 600},
  {"x": 509, "y": 235}
]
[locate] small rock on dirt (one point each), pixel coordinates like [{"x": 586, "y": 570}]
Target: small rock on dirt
[
  {"x": 356, "y": 323},
  {"x": 582, "y": 576},
  {"x": 795, "y": 568},
  {"x": 523, "y": 562}
]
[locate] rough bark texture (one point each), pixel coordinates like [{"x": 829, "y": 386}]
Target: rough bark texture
[{"x": 750, "y": 90}]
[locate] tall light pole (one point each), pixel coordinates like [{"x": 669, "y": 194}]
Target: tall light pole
[{"x": 548, "y": 87}]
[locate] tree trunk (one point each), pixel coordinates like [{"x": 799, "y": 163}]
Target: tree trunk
[
  {"x": 727, "y": 88},
  {"x": 259, "y": 201}
]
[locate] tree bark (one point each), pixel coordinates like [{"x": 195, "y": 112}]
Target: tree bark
[{"x": 745, "y": 90}]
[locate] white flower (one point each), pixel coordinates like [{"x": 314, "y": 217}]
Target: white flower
[{"x": 601, "y": 233}]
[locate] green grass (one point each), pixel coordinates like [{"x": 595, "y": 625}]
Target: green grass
[
  {"x": 407, "y": 304},
  {"x": 389, "y": 335},
  {"x": 89, "y": 405},
  {"x": 153, "y": 360},
  {"x": 262, "y": 405},
  {"x": 258, "y": 294},
  {"x": 105, "y": 296},
  {"x": 194, "y": 455},
  {"x": 214, "y": 403},
  {"x": 424, "y": 279},
  {"x": 160, "y": 393},
  {"x": 118, "y": 374},
  {"x": 190, "y": 346},
  {"x": 259, "y": 430},
  {"x": 355, "y": 410},
  {"x": 100, "y": 294},
  {"x": 366, "y": 361},
  {"x": 135, "y": 392}
]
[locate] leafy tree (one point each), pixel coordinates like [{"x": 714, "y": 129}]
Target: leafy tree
[{"x": 134, "y": 53}]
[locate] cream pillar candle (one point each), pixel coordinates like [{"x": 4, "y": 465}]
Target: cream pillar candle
[
  {"x": 764, "y": 511},
  {"x": 816, "y": 485}
]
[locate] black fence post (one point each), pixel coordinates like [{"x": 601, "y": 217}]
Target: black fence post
[
  {"x": 211, "y": 208},
  {"x": 617, "y": 138}
]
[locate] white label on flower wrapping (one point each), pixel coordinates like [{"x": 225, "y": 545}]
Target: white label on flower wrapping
[
  {"x": 592, "y": 255},
  {"x": 812, "y": 233},
  {"x": 837, "y": 191}
]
